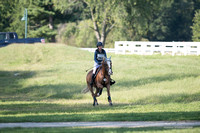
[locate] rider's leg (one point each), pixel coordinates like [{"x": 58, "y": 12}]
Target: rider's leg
[{"x": 93, "y": 74}]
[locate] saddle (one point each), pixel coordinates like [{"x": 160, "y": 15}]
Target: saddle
[{"x": 97, "y": 71}]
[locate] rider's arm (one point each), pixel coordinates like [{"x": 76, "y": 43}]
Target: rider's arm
[
  {"x": 95, "y": 57},
  {"x": 105, "y": 54}
]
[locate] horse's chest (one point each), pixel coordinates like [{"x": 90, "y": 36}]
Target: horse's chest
[{"x": 105, "y": 81}]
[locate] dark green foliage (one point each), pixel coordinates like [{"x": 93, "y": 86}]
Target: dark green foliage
[
  {"x": 6, "y": 8},
  {"x": 172, "y": 21},
  {"x": 41, "y": 23},
  {"x": 70, "y": 22}
]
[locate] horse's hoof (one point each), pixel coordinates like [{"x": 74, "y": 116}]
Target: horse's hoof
[
  {"x": 95, "y": 104},
  {"x": 110, "y": 104}
]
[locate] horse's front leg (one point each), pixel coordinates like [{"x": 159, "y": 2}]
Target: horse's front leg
[
  {"x": 95, "y": 101},
  {"x": 109, "y": 97},
  {"x": 95, "y": 96}
]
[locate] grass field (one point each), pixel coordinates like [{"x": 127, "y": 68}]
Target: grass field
[
  {"x": 43, "y": 83},
  {"x": 103, "y": 130}
]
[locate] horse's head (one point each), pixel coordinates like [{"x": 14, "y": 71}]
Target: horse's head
[
  {"x": 109, "y": 62},
  {"x": 108, "y": 65}
]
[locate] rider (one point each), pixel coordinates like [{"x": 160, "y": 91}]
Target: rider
[{"x": 99, "y": 54}]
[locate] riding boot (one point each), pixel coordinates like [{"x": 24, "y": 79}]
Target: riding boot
[
  {"x": 112, "y": 82},
  {"x": 91, "y": 83}
]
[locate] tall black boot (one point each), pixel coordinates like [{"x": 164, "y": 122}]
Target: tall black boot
[
  {"x": 112, "y": 82},
  {"x": 91, "y": 83}
]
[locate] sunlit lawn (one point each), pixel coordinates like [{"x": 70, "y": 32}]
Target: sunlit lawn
[{"x": 44, "y": 82}]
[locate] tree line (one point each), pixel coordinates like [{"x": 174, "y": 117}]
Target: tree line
[{"x": 84, "y": 22}]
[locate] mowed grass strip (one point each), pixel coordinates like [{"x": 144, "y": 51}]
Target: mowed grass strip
[
  {"x": 107, "y": 130},
  {"x": 44, "y": 82}
]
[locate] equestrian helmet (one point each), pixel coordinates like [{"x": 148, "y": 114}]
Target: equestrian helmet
[{"x": 99, "y": 44}]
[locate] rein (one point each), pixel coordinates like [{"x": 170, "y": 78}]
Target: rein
[{"x": 90, "y": 68}]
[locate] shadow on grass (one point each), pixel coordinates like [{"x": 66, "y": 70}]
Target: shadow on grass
[
  {"x": 10, "y": 81},
  {"x": 66, "y": 91},
  {"x": 11, "y": 87},
  {"x": 157, "y": 79},
  {"x": 67, "y": 117},
  {"x": 13, "y": 108},
  {"x": 52, "y": 112}
]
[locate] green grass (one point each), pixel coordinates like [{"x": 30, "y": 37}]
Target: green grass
[
  {"x": 103, "y": 130},
  {"x": 43, "y": 83}
]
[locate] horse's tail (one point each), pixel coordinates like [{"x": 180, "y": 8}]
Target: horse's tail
[{"x": 85, "y": 90}]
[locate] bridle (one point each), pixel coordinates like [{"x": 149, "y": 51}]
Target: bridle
[{"x": 109, "y": 66}]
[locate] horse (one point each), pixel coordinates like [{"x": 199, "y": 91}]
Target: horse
[{"x": 102, "y": 80}]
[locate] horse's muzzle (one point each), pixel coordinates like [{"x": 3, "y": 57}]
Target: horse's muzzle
[{"x": 110, "y": 72}]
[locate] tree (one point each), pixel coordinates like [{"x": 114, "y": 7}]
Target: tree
[
  {"x": 16, "y": 25},
  {"x": 129, "y": 16},
  {"x": 84, "y": 35},
  {"x": 41, "y": 18},
  {"x": 137, "y": 15},
  {"x": 158, "y": 24},
  {"x": 6, "y": 8},
  {"x": 126, "y": 18},
  {"x": 103, "y": 17},
  {"x": 172, "y": 21},
  {"x": 101, "y": 13},
  {"x": 196, "y": 27}
]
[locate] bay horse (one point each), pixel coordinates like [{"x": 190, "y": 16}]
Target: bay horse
[{"x": 102, "y": 80}]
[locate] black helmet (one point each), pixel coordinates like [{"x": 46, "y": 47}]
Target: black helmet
[{"x": 99, "y": 44}]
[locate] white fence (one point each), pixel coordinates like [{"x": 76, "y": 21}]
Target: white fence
[
  {"x": 108, "y": 50},
  {"x": 149, "y": 48}
]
